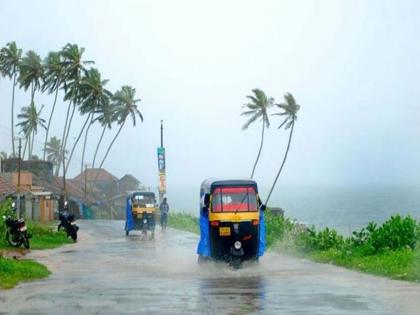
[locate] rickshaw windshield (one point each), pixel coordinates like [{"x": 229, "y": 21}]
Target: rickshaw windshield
[
  {"x": 234, "y": 199},
  {"x": 143, "y": 200}
]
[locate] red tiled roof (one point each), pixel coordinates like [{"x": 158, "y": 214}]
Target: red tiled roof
[
  {"x": 96, "y": 174},
  {"x": 74, "y": 190},
  {"x": 129, "y": 177}
]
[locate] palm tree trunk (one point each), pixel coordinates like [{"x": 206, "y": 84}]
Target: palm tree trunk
[
  {"x": 24, "y": 148},
  {"x": 282, "y": 164},
  {"x": 69, "y": 125},
  {"x": 259, "y": 151},
  {"x": 13, "y": 115},
  {"x": 49, "y": 123},
  {"x": 77, "y": 141},
  {"x": 110, "y": 145},
  {"x": 84, "y": 146},
  {"x": 57, "y": 168},
  {"x": 63, "y": 138},
  {"x": 29, "y": 146},
  {"x": 32, "y": 145},
  {"x": 97, "y": 147}
]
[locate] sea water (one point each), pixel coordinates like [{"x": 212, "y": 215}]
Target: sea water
[{"x": 343, "y": 208}]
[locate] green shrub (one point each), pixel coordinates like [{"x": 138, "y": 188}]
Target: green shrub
[
  {"x": 325, "y": 239},
  {"x": 5, "y": 210},
  {"x": 396, "y": 233},
  {"x": 276, "y": 227}
]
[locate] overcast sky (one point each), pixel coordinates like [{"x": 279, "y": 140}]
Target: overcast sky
[{"x": 353, "y": 66}]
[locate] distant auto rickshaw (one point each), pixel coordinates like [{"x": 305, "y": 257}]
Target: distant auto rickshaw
[
  {"x": 140, "y": 212},
  {"x": 232, "y": 227}
]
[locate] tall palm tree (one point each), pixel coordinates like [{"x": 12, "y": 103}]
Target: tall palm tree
[
  {"x": 125, "y": 105},
  {"x": 53, "y": 80},
  {"x": 10, "y": 57},
  {"x": 74, "y": 69},
  {"x": 289, "y": 111},
  {"x": 30, "y": 121},
  {"x": 31, "y": 73},
  {"x": 258, "y": 108},
  {"x": 106, "y": 117},
  {"x": 53, "y": 153},
  {"x": 92, "y": 96}
]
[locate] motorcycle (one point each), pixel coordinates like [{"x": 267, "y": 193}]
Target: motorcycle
[
  {"x": 68, "y": 223},
  {"x": 16, "y": 231}
]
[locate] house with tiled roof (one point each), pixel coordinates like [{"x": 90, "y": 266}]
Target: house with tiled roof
[{"x": 100, "y": 179}]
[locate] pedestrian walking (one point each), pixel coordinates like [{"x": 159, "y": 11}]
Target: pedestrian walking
[{"x": 164, "y": 209}]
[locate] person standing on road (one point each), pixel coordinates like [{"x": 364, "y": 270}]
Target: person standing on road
[{"x": 164, "y": 209}]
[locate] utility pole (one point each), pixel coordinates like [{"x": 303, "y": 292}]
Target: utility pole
[
  {"x": 18, "y": 185},
  {"x": 161, "y": 133}
]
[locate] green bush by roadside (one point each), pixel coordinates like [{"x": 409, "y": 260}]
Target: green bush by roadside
[
  {"x": 13, "y": 271},
  {"x": 391, "y": 249},
  {"x": 43, "y": 236},
  {"x": 183, "y": 221}
]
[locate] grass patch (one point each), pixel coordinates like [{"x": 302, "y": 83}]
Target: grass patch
[
  {"x": 401, "y": 264},
  {"x": 183, "y": 221},
  {"x": 44, "y": 236},
  {"x": 13, "y": 271}
]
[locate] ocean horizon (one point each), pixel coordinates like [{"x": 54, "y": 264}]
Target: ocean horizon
[{"x": 343, "y": 208}]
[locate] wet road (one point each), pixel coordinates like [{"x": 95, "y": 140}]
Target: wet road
[{"x": 109, "y": 273}]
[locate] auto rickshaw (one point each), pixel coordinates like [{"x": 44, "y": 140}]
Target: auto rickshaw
[
  {"x": 140, "y": 212},
  {"x": 232, "y": 227}
]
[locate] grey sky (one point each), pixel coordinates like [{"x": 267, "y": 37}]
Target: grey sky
[{"x": 353, "y": 66}]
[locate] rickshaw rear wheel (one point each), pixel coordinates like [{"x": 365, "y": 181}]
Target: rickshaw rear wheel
[{"x": 236, "y": 263}]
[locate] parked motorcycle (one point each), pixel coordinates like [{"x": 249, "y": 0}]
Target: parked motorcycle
[
  {"x": 16, "y": 231},
  {"x": 68, "y": 223}
]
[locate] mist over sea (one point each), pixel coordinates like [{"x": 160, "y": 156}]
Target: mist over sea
[{"x": 344, "y": 208}]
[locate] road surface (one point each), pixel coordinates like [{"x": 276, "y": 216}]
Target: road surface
[{"x": 109, "y": 273}]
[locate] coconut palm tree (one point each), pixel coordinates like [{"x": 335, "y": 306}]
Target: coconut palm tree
[
  {"x": 92, "y": 96},
  {"x": 31, "y": 73},
  {"x": 74, "y": 69},
  {"x": 53, "y": 81},
  {"x": 53, "y": 153},
  {"x": 258, "y": 108},
  {"x": 30, "y": 121},
  {"x": 106, "y": 117},
  {"x": 125, "y": 105},
  {"x": 10, "y": 57},
  {"x": 289, "y": 111}
]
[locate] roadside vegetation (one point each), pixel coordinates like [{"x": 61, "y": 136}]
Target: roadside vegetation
[
  {"x": 13, "y": 271},
  {"x": 44, "y": 236},
  {"x": 184, "y": 221},
  {"x": 391, "y": 249}
]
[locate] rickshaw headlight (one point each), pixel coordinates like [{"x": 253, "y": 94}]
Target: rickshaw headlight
[{"x": 237, "y": 245}]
